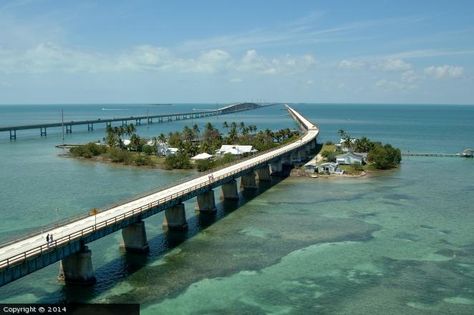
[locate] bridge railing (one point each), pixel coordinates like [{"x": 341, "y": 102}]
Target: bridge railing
[
  {"x": 82, "y": 216},
  {"x": 21, "y": 257}
]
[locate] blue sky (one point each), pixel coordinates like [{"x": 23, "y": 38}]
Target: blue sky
[{"x": 223, "y": 51}]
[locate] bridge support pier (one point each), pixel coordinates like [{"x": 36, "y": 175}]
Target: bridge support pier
[
  {"x": 206, "y": 202},
  {"x": 134, "y": 238},
  {"x": 12, "y": 134},
  {"x": 248, "y": 181},
  {"x": 264, "y": 174},
  {"x": 276, "y": 168},
  {"x": 302, "y": 155},
  {"x": 90, "y": 127},
  {"x": 229, "y": 190},
  {"x": 43, "y": 132},
  {"x": 175, "y": 218},
  {"x": 68, "y": 128},
  {"x": 77, "y": 268}
]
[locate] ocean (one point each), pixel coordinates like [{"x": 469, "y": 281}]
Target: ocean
[{"x": 399, "y": 241}]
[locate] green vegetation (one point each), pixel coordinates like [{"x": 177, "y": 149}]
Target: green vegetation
[
  {"x": 354, "y": 169},
  {"x": 189, "y": 142},
  {"x": 329, "y": 152},
  {"x": 384, "y": 157},
  {"x": 88, "y": 150},
  {"x": 379, "y": 156}
]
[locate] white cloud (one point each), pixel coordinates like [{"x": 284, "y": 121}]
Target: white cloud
[
  {"x": 409, "y": 76},
  {"x": 391, "y": 85},
  {"x": 445, "y": 71},
  {"x": 393, "y": 65},
  {"x": 351, "y": 64},
  {"x": 252, "y": 62},
  {"x": 47, "y": 57}
]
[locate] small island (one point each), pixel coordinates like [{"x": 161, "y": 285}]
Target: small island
[
  {"x": 353, "y": 157},
  {"x": 190, "y": 148}
]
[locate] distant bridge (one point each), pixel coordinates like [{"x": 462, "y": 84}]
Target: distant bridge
[
  {"x": 138, "y": 120},
  {"x": 28, "y": 254}
]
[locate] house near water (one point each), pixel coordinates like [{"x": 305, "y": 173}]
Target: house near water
[{"x": 350, "y": 158}]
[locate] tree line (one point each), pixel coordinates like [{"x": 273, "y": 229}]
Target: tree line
[{"x": 189, "y": 142}]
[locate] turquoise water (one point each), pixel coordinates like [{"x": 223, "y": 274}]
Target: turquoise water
[{"x": 397, "y": 242}]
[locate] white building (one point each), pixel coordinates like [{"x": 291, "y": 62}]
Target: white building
[
  {"x": 235, "y": 149},
  {"x": 202, "y": 156},
  {"x": 164, "y": 149},
  {"x": 350, "y": 158}
]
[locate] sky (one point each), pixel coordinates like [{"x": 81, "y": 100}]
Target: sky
[{"x": 152, "y": 51}]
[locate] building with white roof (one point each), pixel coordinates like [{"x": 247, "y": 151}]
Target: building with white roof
[{"x": 235, "y": 149}]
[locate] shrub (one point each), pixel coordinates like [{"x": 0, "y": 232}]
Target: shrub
[
  {"x": 204, "y": 165},
  {"x": 384, "y": 157},
  {"x": 88, "y": 150},
  {"x": 330, "y": 156},
  {"x": 117, "y": 155},
  {"x": 142, "y": 160},
  {"x": 178, "y": 161},
  {"x": 148, "y": 149}
]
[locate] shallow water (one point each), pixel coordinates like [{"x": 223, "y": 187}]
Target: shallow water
[{"x": 396, "y": 242}]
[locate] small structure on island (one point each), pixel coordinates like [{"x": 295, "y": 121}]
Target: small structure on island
[
  {"x": 324, "y": 168},
  {"x": 350, "y": 158},
  {"x": 202, "y": 156},
  {"x": 126, "y": 142},
  {"x": 343, "y": 144},
  {"x": 329, "y": 168},
  {"x": 468, "y": 153},
  {"x": 163, "y": 149},
  {"x": 235, "y": 149}
]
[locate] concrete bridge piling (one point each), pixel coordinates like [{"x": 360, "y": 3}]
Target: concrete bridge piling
[
  {"x": 229, "y": 190},
  {"x": 248, "y": 181},
  {"x": 175, "y": 218},
  {"x": 263, "y": 174},
  {"x": 74, "y": 256},
  {"x": 206, "y": 202},
  {"x": 134, "y": 238},
  {"x": 77, "y": 268}
]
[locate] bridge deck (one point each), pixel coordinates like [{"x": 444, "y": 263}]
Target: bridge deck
[
  {"x": 35, "y": 245},
  {"x": 219, "y": 111}
]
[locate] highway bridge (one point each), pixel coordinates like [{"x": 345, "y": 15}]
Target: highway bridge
[
  {"x": 29, "y": 254},
  {"x": 137, "y": 120}
]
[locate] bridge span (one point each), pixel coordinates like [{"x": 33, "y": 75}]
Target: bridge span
[
  {"x": 138, "y": 120},
  {"x": 26, "y": 255}
]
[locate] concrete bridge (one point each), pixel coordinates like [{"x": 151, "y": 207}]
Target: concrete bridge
[
  {"x": 137, "y": 120},
  {"x": 32, "y": 253}
]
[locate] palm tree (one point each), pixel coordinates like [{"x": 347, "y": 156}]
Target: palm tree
[
  {"x": 162, "y": 138},
  {"x": 135, "y": 142},
  {"x": 188, "y": 134},
  {"x": 196, "y": 131},
  {"x": 209, "y": 127},
  {"x": 130, "y": 129},
  {"x": 242, "y": 126}
]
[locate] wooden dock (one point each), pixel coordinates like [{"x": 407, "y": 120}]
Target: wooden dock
[{"x": 432, "y": 154}]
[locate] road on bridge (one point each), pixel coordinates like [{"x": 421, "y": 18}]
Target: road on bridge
[{"x": 25, "y": 248}]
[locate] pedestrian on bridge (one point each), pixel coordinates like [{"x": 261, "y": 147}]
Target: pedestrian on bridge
[{"x": 47, "y": 239}]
